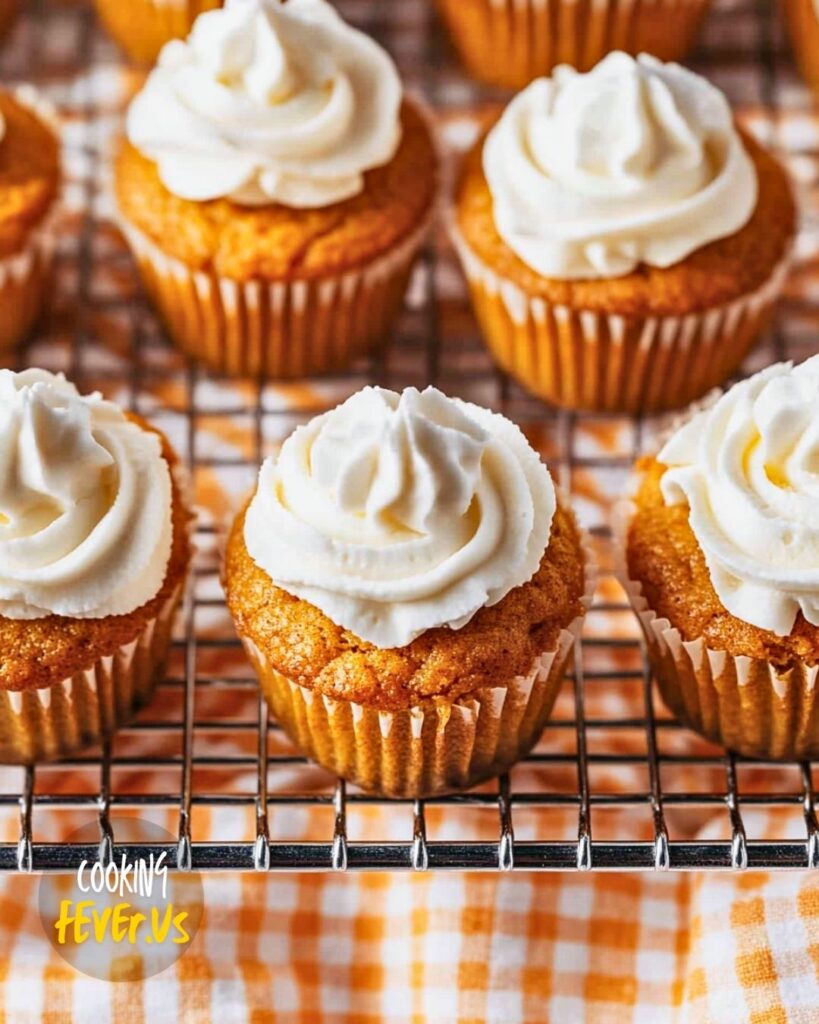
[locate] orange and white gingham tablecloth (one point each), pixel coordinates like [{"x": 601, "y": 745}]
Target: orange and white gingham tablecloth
[{"x": 453, "y": 949}]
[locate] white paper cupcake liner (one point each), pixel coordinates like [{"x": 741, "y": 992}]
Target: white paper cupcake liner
[
  {"x": 280, "y": 329},
  {"x": 44, "y": 723},
  {"x": 746, "y": 704},
  {"x": 431, "y": 748},
  {"x": 581, "y": 359},
  {"x": 510, "y": 42}
]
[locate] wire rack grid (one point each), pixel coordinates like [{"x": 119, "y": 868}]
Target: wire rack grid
[{"x": 614, "y": 783}]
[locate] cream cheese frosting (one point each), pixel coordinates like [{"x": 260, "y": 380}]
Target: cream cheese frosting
[
  {"x": 268, "y": 102},
  {"x": 85, "y": 503},
  {"x": 634, "y": 162},
  {"x": 748, "y": 468},
  {"x": 395, "y": 514}
]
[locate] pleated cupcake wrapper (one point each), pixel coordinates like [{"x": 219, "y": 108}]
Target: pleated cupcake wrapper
[
  {"x": 431, "y": 748},
  {"x": 510, "y": 42},
  {"x": 41, "y": 724},
  {"x": 745, "y": 704},
  {"x": 423, "y": 750},
  {"x": 24, "y": 274},
  {"x": 278, "y": 329},
  {"x": 581, "y": 359}
]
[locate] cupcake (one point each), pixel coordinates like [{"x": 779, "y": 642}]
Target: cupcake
[
  {"x": 802, "y": 19},
  {"x": 722, "y": 548},
  {"x": 93, "y": 555},
  {"x": 624, "y": 242},
  {"x": 29, "y": 190},
  {"x": 275, "y": 188},
  {"x": 408, "y": 586},
  {"x": 508, "y": 43},
  {"x": 142, "y": 27}
]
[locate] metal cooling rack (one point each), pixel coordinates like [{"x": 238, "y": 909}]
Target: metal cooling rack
[{"x": 205, "y": 753}]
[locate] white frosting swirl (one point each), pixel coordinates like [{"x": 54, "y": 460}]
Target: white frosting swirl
[
  {"x": 85, "y": 503},
  {"x": 268, "y": 102},
  {"x": 395, "y": 514},
  {"x": 748, "y": 467},
  {"x": 634, "y": 162}
]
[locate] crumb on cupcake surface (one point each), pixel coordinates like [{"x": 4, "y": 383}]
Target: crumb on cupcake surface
[
  {"x": 275, "y": 242},
  {"x": 29, "y": 173},
  {"x": 665, "y": 558},
  {"x": 712, "y": 275},
  {"x": 500, "y": 642},
  {"x": 35, "y": 653}
]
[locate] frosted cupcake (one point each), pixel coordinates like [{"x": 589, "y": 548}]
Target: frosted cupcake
[
  {"x": 142, "y": 27},
  {"x": 29, "y": 192},
  {"x": 624, "y": 241},
  {"x": 508, "y": 43},
  {"x": 275, "y": 188},
  {"x": 93, "y": 555},
  {"x": 722, "y": 546},
  {"x": 408, "y": 586}
]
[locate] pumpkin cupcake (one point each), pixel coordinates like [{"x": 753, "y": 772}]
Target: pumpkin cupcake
[
  {"x": 408, "y": 587},
  {"x": 510, "y": 42},
  {"x": 722, "y": 549},
  {"x": 93, "y": 556},
  {"x": 275, "y": 188},
  {"x": 29, "y": 190},
  {"x": 802, "y": 19},
  {"x": 142, "y": 27},
  {"x": 624, "y": 241}
]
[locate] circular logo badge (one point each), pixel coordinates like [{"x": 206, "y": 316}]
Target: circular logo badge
[{"x": 126, "y": 916}]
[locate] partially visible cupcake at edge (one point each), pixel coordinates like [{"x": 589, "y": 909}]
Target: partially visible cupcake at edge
[
  {"x": 275, "y": 188},
  {"x": 722, "y": 546},
  {"x": 802, "y": 19},
  {"x": 94, "y": 552},
  {"x": 408, "y": 586},
  {"x": 142, "y": 27},
  {"x": 30, "y": 182},
  {"x": 510, "y": 42},
  {"x": 624, "y": 239}
]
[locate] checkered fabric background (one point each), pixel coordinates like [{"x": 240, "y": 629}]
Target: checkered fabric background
[{"x": 510, "y": 948}]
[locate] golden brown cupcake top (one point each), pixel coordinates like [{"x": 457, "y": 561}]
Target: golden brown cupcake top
[
  {"x": 40, "y": 652},
  {"x": 714, "y": 274},
  {"x": 665, "y": 558},
  {"x": 277, "y": 242},
  {"x": 29, "y": 172},
  {"x": 497, "y": 644}
]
